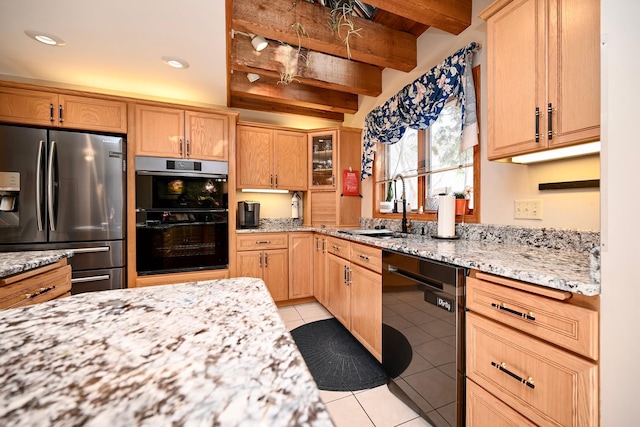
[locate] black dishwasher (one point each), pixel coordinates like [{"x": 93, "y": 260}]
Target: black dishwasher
[{"x": 423, "y": 335}]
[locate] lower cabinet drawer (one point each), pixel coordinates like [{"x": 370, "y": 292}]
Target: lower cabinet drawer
[
  {"x": 569, "y": 326},
  {"x": 367, "y": 256},
  {"x": 484, "y": 409},
  {"x": 339, "y": 247},
  {"x": 547, "y": 385},
  {"x": 259, "y": 241},
  {"x": 42, "y": 287}
]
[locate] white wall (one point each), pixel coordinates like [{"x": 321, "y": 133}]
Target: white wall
[
  {"x": 502, "y": 183},
  {"x": 272, "y": 205},
  {"x": 620, "y": 328}
]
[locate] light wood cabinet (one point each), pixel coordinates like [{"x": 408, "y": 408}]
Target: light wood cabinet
[
  {"x": 172, "y": 278},
  {"x": 37, "y": 285},
  {"x": 570, "y": 326},
  {"x": 543, "y": 74},
  {"x": 338, "y": 292},
  {"x": 271, "y": 158},
  {"x": 333, "y": 151},
  {"x": 177, "y": 133},
  {"x": 320, "y": 291},
  {"x": 545, "y": 384},
  {"x": 366, "y": 308},
  {"x": 354, "y": 290},
  {"x": 483, "y": 409},
  {"x": 48, "y": 108},
  {"x": 265, "y": 256},
  {"x": 533, "y": 350},
  {"x": 300, "y": 265}
]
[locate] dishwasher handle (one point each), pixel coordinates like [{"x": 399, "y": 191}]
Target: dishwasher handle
[{"x": 416, "y": 278}]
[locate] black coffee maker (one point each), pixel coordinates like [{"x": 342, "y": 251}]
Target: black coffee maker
[{"x": 248, "y": 214}]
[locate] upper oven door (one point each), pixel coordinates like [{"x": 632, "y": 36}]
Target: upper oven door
[{"x": 180, "y": 184}]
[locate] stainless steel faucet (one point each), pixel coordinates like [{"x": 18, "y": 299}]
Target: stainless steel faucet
[{"x": 405, "y": 228}]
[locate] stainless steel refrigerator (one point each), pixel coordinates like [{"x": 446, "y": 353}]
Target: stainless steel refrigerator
[{"x": 66, "y": 190}]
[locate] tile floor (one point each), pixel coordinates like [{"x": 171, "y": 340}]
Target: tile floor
[{"x": 374, "y": 407}]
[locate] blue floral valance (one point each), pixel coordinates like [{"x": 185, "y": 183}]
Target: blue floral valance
[{"x": 418, "y": 105}]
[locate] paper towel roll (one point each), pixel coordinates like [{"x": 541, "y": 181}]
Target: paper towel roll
[{"x": 446, "y": 216}]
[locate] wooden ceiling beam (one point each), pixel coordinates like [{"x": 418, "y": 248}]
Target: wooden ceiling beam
[
  {"x": 377, "y": 44},
  {"x": 238, "y": 101},
  {"x": 294, "y": 94},
  {"x": 320, "y": 70},
  {"x": 452, "y": 16}
]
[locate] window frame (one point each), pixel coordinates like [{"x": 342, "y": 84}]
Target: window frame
[{"x": 379, "y": 190}]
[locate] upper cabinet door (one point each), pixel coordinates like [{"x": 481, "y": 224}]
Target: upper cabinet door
[
  {"x": 207, "y": 136},
  {"x": 516, "y": 80},
  {"x": 81, "y": 112},
  {"x": 290, "y": 160},
  {"x": 255, "y": 161},
  {"x": 322, "y": 165},
  {"x": 39, "y": 108},
  {"x": 543, "y": 79},
  {"x": 574, "y": 70},
  {"x": 28, "y": 107},
  {"x": 159, "y": 132}
]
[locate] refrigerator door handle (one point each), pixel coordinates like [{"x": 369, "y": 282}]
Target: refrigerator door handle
[
  {"x": 89, "y": 250},
  {"x": 52, "y": 222},
  {"x": 90, "y": 278},
  {"x": 39, "y": 187}
]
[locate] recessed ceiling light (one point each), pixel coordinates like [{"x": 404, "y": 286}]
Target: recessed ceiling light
[
  {"x": 174, "y": 62},
  {"x": 48, "y": 39}
]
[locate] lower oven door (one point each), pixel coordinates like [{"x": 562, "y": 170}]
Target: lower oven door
[{"x": 182, "y": 246}]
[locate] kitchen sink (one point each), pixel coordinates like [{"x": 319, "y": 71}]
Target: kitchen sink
[{"x": 383, "y": 233}]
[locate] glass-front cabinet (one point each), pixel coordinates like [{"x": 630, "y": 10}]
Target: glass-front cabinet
[{"x": 323, "y": 160}]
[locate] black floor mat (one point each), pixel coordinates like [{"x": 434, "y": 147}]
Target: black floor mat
[{"x": 337, "y": 361}]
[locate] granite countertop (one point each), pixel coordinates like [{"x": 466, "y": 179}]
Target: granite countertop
[
  {"x": 567, "y": 270},
  {"x": 205, "y": 353},
  {"x": 17, "y": 262}
]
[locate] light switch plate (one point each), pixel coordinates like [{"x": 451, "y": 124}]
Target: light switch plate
[{"x": 527, "y": 209}]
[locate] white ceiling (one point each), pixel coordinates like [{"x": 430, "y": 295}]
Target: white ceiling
[{"x": 116, "y": 46}]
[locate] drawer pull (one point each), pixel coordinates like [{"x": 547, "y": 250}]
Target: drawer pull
[
  {"x": 336, "y": 248},
  {"x": 503, "y": 367},
  {"x": 366, "y": 258},
  {"x": 503, "y": 307},
  {"x": 263, "y": 242},
  {"x": 40, "y": 292}
]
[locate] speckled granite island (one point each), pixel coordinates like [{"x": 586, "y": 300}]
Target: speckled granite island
[{"x": 205, "y": 353}]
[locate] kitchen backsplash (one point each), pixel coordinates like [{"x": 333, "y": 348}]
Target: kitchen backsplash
[
  {"x": 280, "y": 222},
  {"x": 550, "y": 238}
]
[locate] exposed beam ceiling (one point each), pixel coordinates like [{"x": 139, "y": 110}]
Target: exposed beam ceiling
[{"x": 326, "y": 82}]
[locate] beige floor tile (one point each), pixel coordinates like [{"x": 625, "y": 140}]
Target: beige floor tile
[
  {"x": 315, "y": 319},
  {"x": 311, "y": 310},
  {"x": 330, "y": 396},
  {"x": 289, "y": 313},
  {"x": 416, "y": 422},
  {"x": 292, "y": 324},
  {"x": 384, "y": 409},
  {"x": 347, "y": 412}
]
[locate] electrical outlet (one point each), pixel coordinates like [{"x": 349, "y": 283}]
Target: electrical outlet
[{"x": 527, "y": 209}]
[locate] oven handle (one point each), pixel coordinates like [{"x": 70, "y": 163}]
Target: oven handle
[
  {"x": 182, "y": 174},
  {"x": 415, "y": 278}
]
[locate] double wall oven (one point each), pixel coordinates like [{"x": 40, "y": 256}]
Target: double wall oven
[{"x": 182, "y": 215}]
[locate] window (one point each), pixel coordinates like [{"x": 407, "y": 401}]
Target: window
[{"x": 431, "y": 163}]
